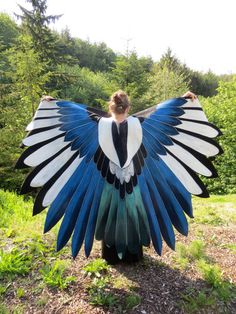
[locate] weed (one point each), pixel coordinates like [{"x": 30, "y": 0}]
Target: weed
[
  {"x": 188, "y": 254},
  {"x": 103, "y": 298},
  {"x": 4, "y": 309},
  {"x": 3, "y": 289},
  {"x": 131, "y": 301},
  {"x": 230, "y": 246},
  {"x": 15, "y": 262},
  {"x": 53, "y": 275},
  {"x": 211, "y": 273},
  {"x": 122, "y": 282},
  {"x": 20, "y": 292},
  {"x": 194, "y": 302},
  {"x": 42, "y": 301},
  {"x": 99, "y": 293},
  {"x": 96, "y": 267}
]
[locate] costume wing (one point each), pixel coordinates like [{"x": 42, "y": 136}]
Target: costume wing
[
  {"x": 177, "y": 139},
  {"x": 62, "y": 140},
  {"x": 125, "y": 184}
]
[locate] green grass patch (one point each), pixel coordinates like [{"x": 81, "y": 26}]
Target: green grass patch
[
  {"x": 15, "y": 262},
  {"x": 230, "y": 246},
  {"x": 211, "y": 273},
  {"x": 4, "y": 309},
  {"x": 54, "y": 275},
  {"x": 217, "y": 210},
  {"x": 99, "y": 293},
  {"x": 131, "y": 301},
  {"x": 96, "y": 267},
  {"x": 122, "y": 282},
  {"x": 188, "y": 254},
  {"x": 194, "y": 301}
]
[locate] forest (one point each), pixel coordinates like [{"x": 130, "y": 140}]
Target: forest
[
  {"x": 36, "y": 61},
  {"x": 199, "y": 276}
]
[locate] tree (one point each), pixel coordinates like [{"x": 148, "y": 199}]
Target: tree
[
  {"x": 131, "y": 74},
  {"x": 221, "y": 111},
  {"x": 28, "y": 79},
  {"x": 35, "y": 22},
  {"x": 9, "y": 32},
  {"x": 164, "y": 84},
  {"x": 96, "y": 57}
]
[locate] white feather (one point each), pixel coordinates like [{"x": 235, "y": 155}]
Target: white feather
[
  {"x": 197, "y": 144},
  {"x": 202, "y": 129},
  {"x": 45, "y": 152},
  {"x": 41, "y": 136},
  {"x": 182, "y": 174},
  {"x": 123, "y": 174},
  {"x": 51, "y": 168},
  {"x": 60, "y": 182},
  {"x": 191, "y": 161}
]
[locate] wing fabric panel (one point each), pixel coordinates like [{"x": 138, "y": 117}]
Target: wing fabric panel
[
  {"x": 191, "y": 141},
  {"x": 63, "y": 140}
]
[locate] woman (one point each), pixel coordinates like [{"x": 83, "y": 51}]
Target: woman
[
  {"x": 119, "y": 107},
  {"x": 124, "y": 180}
]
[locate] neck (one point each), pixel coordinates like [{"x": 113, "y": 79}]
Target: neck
[{"x": 119, "y": 117}]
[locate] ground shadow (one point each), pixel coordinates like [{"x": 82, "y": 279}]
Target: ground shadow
[{"x": 161, "y": 287}]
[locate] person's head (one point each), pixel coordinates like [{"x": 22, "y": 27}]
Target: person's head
[{"x": 119, "y": 103}]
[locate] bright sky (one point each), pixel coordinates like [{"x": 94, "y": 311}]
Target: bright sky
[{"x": 201, "y": 33}]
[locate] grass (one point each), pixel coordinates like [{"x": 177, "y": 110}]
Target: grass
[
  {"x": 194, "y": 301},
  {"x": 96, "y": 267},
  {"x": 54, "y": 275},
  {"x": 218, "y": 210},
  {"x": 132, "y": 301},
  {"x": 34, "y": 276},
  {"x": 15, "y": 262},
  {"x": 99, "y": 293},
  {"x": 187, "y": 254}
]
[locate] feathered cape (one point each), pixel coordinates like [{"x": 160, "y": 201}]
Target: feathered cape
[{"x": 126, "y": 184}]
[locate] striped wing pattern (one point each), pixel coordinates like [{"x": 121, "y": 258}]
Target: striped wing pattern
[
  {"x": 62, "y": 142},
  {"x": 178, "y": 140},
  {"x": 76, "y": 156}
]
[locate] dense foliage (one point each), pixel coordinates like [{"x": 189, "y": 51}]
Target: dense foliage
[{"x": 34, "y": 60}]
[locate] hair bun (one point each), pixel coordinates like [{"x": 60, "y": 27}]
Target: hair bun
[{"x": 117, "y": 99}]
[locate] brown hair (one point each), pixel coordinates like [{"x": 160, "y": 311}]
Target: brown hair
[{"x": 119, "y": 102}]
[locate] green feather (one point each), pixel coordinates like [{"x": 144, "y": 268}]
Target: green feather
[
  {"x": 121, "y": 229},
  {"x": 143, "y": 219},
  {"x": 133, "y": 232},
  {"x": 103, "y": 211},
  {"x": 110, "y": 228}
]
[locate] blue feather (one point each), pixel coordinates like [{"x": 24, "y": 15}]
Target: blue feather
[
  {"x": 161, "y": 211},
  {"x": 80, "y": 130},
  {"x": 58, "y": 207},
  {"x": 69, "y": 125},
  {"x": 161, "y": 127},
  {"x": 121, "y": 229},
  {"x": 153, "y": 146},
  {"x": 81, "y": 222},
  {"x": 69, "y": 104},
  {"x": 109, "y": 236},
  {"x": 143, "y": 218},
  {"x": 103, "y": 211},
  {"x": 73, "y": 209},
  {"x": 175, "y": 211},
  {"x": 172, "y": 111},
  {"x": 89, "y": 235},
  {"x": 158, "y": 135},
  {"x": 180, "y": 192},
  {"x": 152, "y": 218},
  {"x": 173, "y": 102},
  {"x": 164, "y": 119}
]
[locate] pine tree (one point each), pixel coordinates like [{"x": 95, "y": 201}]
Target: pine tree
[{"x": 35, "y": 22}]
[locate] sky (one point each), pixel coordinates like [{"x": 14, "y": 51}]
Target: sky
[{"x": 200, "y": 33}]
